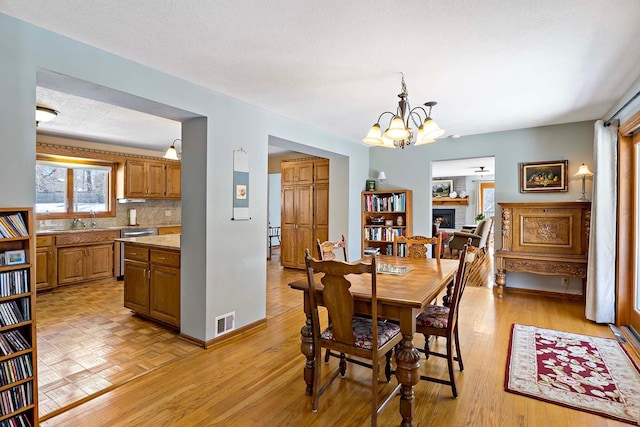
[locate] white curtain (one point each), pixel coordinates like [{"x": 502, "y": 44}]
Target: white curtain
[{"x": 601, "y": 274}]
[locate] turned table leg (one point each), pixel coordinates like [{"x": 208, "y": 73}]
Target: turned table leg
[
  {"x": 307, "y": 348},
  {"x": 407, "y": 364},
  {"x": 501, "y": 280}
]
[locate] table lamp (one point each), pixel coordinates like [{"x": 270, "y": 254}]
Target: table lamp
[
  {"x": 583, "y": 172},
  {"x": 381, "y": 177}
]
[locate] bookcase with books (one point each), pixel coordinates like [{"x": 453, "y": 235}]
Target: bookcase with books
[
  {"x": 18, "y": 384},
  {"x": 385, "y": 214}
]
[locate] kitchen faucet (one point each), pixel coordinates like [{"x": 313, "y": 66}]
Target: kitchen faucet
[
  {"x": 75, "y": 222},
  {"x": 93, "y": 221}
]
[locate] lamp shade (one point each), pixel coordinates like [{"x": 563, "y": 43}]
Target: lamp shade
[
  {"x": 397, "y": 130},
  {"x": 382, "y": 175},
  {"x": 374, "y": 136},
  {"x": 171, "y": 153},
  {"x": 583, "y": 171}
]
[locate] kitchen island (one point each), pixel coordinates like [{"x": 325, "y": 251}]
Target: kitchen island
[{"x": 152, "y": 277}]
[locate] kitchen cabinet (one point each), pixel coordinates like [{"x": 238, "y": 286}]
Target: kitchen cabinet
[
  {"x": 173, "y": 183},
  {"x": 152, "y": 283},
  {"x": 46, "y": 263},
  {"x": 85, "y": 256},
  {"x": 305, "y": 209},
  {"x": 174, "y": 229},
  {"x": 147, "y": 179}
]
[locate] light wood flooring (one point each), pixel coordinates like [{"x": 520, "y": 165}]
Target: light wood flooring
[{"x": 257, "y": 380}]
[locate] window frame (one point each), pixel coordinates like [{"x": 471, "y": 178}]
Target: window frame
[{"x": 69, "y": 213}]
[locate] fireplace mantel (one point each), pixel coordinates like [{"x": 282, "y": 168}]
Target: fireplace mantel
[{"x": 449, "y": 201}]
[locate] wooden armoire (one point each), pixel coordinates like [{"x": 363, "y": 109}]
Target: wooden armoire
[{"x": 305, "y": 208}]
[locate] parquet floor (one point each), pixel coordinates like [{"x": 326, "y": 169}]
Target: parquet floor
[{"x": 88, "y": 343}]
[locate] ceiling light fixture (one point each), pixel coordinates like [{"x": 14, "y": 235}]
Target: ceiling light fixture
[
  {"x": 481, "y": 170},
  {"x": 172, "y": 153},
  {"x": 400, "y": 133},
  {"x": 45, "y": 114}
]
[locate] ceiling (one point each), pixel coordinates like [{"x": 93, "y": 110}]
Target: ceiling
[{"x": 493, "y": 65}]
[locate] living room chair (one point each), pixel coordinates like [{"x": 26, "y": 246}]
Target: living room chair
[
  {"x": 332, "y": 250},
  {"x": 479, "y": 236},
  {"x": 366, "y": 338},
  {"x": 415, "y": 246},
  {"x": 441, "y": 321}
]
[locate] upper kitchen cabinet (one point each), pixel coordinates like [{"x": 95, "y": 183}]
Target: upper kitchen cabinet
[{"x": 148, "y": 179}]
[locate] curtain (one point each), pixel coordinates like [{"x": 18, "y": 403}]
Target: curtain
[{"x": 601, "y": 276}]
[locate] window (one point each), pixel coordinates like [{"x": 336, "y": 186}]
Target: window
[{"x": 70, "y": 189}]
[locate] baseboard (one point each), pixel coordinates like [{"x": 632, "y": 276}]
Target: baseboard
[
  {"x": 228, "y": 337},
  {"x": 543, "y": 293}
]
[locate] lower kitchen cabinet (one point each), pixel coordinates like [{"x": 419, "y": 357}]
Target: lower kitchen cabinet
[
  {"x": 46, "y": 264},
  {"x": 152, "y": 283},
  {"x": 80, "y": 263}
]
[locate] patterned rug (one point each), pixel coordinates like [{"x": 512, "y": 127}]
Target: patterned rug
[{"x": 590, "y": 374}]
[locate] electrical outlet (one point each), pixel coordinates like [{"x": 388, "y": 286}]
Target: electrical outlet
[
  {"x": 565, "y": 282},
  {"x": 167, "y": 212}
]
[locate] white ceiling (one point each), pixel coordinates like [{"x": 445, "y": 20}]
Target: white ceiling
[{"x": 492, "y": 65}]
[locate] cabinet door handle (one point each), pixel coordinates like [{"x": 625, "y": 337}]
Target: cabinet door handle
[{"x": 161, "y": 257}]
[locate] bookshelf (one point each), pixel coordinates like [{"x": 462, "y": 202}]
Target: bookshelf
[
  {"x": 385, "y": 214},
  {"x": 18, "y": 384}
]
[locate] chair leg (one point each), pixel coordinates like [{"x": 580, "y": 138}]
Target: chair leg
[
  {"x": 326, "y": 357},
  {"x": 387, "y": 368},
  {"x": 450, "y": 365},
  {"x": 458, "y": 352},
  {"x": 343, "y": 365},
  {"x": 426, "y": 347}
]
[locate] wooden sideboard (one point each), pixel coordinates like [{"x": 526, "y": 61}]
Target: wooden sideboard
[{"x": 543, "y": 238}]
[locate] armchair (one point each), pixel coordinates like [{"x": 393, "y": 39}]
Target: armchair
[{"x": 478, "y": 236}]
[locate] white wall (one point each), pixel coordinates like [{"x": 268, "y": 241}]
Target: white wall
[
  {"x": 411, "y": 169},
  {"x": 224, "y": 261},
  {"x": 274, "y": 199}
]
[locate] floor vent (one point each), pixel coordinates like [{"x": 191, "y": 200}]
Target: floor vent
[{"x": 225, "y": 323}]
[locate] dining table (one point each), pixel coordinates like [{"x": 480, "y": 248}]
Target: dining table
[{"x": 405, "y": 286}]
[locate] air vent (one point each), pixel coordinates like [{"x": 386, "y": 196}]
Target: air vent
[{"x": 225, "y": 323}]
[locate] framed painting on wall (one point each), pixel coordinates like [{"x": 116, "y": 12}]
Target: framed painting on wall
[
  {"x": 441, "y": 188},
  {"x": 544, "y": 177}
]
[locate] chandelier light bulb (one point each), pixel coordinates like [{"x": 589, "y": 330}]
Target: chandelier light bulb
[
  {"x": 374, "y": 136},
  {"x": 397, "y": 130}
]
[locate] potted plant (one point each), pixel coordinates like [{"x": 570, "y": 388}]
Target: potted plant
[{"x": 479, "y": 217}]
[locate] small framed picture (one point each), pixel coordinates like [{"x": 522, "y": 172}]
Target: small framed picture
[
  {"x": 544, "y": 177},
  {"x": 371, "y": 185},
  {"x": 441, "y": 188},
  {"x": 14, "y": 257}
]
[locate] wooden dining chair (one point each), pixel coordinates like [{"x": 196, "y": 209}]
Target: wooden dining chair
[
  {"x": 361, "y": 337},
  {"x": 332, "y": 250},
  {"x": 441, "y": 321},
  {"x": 415, "y": 246}
]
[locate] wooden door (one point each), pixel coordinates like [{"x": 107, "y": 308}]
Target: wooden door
[
  {"x": 136, "y": 286},
  {"x": 164, "y": 293},
  {"x": 288, "y": 226},
  {"x": 155, "y": 179},
  {"x": 321, "y": 212},
  {"x": 321, "y": 172},
  {"x": 287, "y": 173},
  {"x": 135, "y": 180},
  {"x": 71, "y": 265},
  {"x": 304, "y": 173},
  {"x": 42, "y": 268},
  {"x": 304, "y": 223},
  {"x": 99, "y": 261},
  {"x": 173, "y": 184}
]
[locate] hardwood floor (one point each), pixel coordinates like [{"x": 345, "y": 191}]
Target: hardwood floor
[{"x": 257, "y": 380}]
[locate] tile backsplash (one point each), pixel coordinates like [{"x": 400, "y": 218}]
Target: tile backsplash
[{"x": 151, "y": 212}]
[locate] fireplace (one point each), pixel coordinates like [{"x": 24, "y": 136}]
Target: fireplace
[{"x": 447, "y": 217}]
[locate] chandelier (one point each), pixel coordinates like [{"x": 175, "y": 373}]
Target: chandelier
[{"x": 400, "y": 133}]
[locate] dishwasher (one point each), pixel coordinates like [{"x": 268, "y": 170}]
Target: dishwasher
[{"x": 133, "y": 232}]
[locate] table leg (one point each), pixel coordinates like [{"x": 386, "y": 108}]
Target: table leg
[
  {"x": 407, "y": 364},
  {"x": 501, "y": 280},
  {"x": 307, "y": 348}
]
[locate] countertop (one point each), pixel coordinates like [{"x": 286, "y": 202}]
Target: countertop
[
  {"x": 89, "y": 229},
  {"x": 168, "y": 241}
]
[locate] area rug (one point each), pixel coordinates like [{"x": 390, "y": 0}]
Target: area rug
[{"x": 590, "y": 374}]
